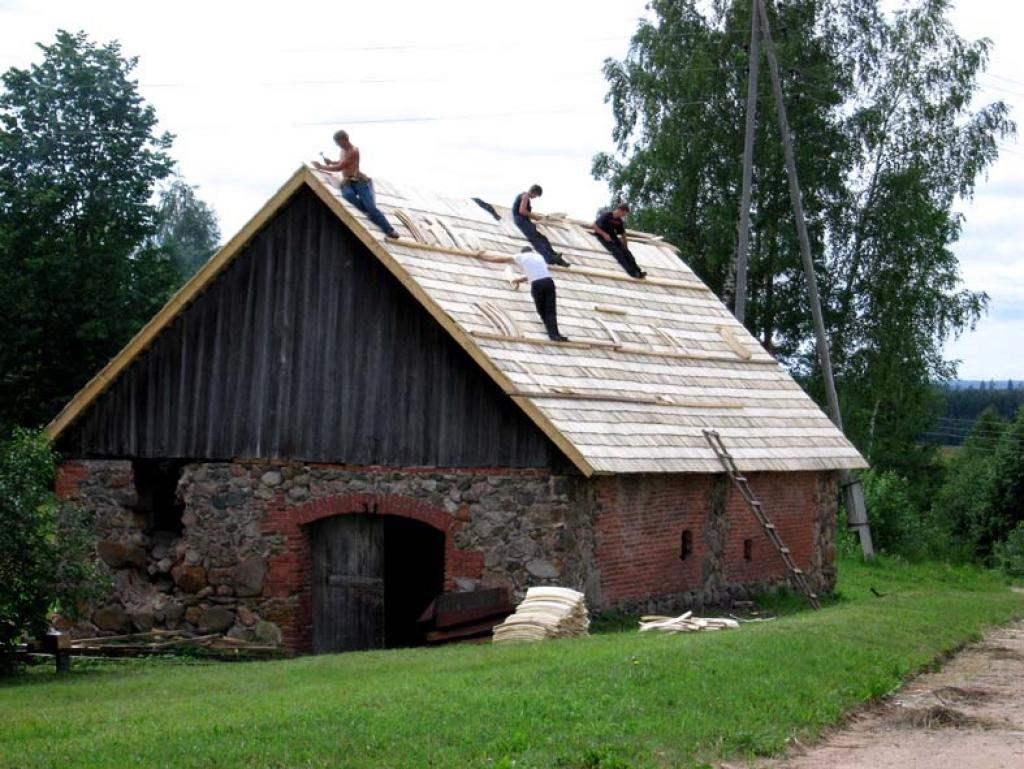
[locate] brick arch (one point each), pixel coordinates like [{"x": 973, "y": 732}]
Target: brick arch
[
  {"x": 376, "y": 504},
  {"x": 290, "y": 572}
]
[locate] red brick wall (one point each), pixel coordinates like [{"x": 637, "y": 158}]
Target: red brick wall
[
  {"x": 69, "y": 477},
  {"x": 788, "y": 499},
  {"x": 641, "y": 519},
  {"x": 289, "y": 572},
  {"x": 639, "y": 526}
]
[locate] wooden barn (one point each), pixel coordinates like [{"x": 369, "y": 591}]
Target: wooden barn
[{"x": 325, "y": 429}]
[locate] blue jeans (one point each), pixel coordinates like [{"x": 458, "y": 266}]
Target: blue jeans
[{"x": 360, "y": 194}]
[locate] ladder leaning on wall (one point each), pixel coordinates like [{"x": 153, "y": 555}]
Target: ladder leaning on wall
[{"x": 798, "y": 577}]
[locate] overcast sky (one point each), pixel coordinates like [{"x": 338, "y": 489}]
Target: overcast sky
[{"x": 472, "y": 98}]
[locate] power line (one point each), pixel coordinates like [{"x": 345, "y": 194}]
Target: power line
[
  {"x": 994, "y": 437},
  {"x": 944, "y": 439},
  {"x": 965, "y": 424},
  {"x": 1001, "y": 89},
  {"x": 1003, "y": 77},
  {"x": 992, "y": 434},
  {"x": 402, "y": 119},
  {"x": 963, "y": 420},
  {"x": 336, "y": 50},
  {"x": 442, "y": 47},
  {"x": 988, "y": 433}
]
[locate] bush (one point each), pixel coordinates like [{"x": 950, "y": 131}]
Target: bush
[
  {"x": 981, "y": 501},
  {"x": 897, "y": 526},
  {"x": 1009, "y": 554},
  {"x": 45, "y": 554}
]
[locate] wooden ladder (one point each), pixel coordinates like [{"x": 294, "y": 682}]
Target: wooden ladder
[{"x": 799, "y": 578}]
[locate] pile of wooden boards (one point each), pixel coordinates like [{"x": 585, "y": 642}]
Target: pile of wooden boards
[
  {"x": 466, "y": 616},
  {"x": 546, "y": 612},
  {"x": 686, "y": 623},
  {"x": 164, "y": 642}
]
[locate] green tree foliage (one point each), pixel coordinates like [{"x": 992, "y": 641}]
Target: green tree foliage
[
  {"x": 896, "y": 523},
  {"x": 187, "y": 228},
  {"x": 1010, "y": 553},
  {"x": 963, "y": 405},
  {"x": 895, "y": 291},
  {"x": 1007, "y": 496},
  {"x": 982, "y": 500},
  {"x": 678, "y": 100},
  {"x": 78, "y": 162},
  {"x": 45, "y": 556},
  {"x": 886, "y": 141}
]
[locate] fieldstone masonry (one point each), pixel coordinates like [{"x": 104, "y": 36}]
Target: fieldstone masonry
[{"x": 241, "y": 562}]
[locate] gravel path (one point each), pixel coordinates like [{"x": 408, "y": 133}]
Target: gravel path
[{"x": 969, "y": 715}]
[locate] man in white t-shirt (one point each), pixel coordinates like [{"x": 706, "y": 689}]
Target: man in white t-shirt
[{"x": 542, "y": 287}]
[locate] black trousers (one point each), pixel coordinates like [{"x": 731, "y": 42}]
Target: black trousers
[
  {"x": 543, "y": 291},
  {"x": 539, "y": 242},
  {"x": 621, "y": 254}
]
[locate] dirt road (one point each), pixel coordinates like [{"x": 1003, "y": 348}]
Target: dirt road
[{"x": 970, "y": 715}]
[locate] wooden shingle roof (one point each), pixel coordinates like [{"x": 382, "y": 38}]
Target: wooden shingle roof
[{"x": 651, "y": 363}]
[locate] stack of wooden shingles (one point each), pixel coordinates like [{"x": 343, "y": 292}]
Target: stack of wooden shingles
[
  {"x": 686, "y": 623},
  {"x": 546, "y": 612}
]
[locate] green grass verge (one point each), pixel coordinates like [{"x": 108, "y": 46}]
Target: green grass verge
[{"x": 612, "y": 700}]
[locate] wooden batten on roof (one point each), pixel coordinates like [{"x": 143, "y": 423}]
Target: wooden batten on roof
[{"x": 651, "y": 363}]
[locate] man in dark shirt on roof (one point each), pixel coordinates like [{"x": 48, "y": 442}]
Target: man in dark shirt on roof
[
  {"x": 610, "y": 230},
  {"x": 523, "y": 216}
]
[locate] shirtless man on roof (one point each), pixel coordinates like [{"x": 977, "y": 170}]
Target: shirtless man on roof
[{"x": 356, "y": 187}]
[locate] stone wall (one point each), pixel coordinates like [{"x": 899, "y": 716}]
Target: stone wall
[{"x": 241, "y": 562}]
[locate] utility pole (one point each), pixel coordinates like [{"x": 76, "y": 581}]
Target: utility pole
[
  {"x": 743, "y": 234},
  {"x": 853, "y": 494}
]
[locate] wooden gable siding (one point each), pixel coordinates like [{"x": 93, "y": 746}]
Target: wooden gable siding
[{"x": 307, "y": 348}]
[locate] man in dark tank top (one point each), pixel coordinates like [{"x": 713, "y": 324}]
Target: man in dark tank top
[{"x": 523, "y": 216}]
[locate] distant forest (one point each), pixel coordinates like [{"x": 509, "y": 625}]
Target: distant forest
[{"x": 964, "y": 401}]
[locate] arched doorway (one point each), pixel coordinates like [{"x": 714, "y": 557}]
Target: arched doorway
[{"x": 373, "y": 575}]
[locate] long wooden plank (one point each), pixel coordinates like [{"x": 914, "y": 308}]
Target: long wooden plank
[
  {"x": 588, "y": 271},
  {"x": 619, "y": 361},
  {"x": 626, "y": 349},
  {"x": 677, "y": 452}
]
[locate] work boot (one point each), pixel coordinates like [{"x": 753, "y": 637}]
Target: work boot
[
  {"x": 560, "y": 261},
  {"x": 559, "y": 338},
  {"x": 393, "y": 235}
]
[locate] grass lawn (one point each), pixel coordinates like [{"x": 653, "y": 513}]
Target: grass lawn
[{"x": 610, "y": 700}]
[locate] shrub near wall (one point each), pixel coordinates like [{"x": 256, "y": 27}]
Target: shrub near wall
[{"x": 44, "y": 559}]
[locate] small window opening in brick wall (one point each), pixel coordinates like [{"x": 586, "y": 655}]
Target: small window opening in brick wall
[
  {"x": 685, "y": 544},
  {"x": 156, "y": 485},
  {"x": 748, "y": 549}
]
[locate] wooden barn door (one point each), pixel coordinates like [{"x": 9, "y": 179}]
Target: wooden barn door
[{"x": 348, "y": 583}]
